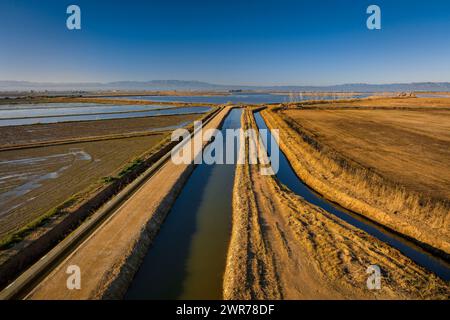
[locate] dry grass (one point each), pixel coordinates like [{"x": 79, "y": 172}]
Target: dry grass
[
  {"x": 411, "y": 148},
  {"x": 250, "y": 271},
  {"x": 367, "y": 186},
  {"x": 379, "y": 102},
  {"x": 284, "y": 247}
]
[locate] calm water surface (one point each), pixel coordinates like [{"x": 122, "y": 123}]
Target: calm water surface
[
  {"x": 188, "y": 256},
  {"x": 100, "y": 116}
]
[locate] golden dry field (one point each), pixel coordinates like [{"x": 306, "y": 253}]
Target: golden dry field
[
  {"x": 408, "y": 147},
  {"x": 283, "y": 247},
  {"x": 377, "y": 102},
  {"x": 377, "y": 159}
]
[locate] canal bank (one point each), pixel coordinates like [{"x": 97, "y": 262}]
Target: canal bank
[
  {"x": 285, "y": 247},
  {"x": 109, "y": 258},
  {"x": 187, "y": 259},
  {"x": 287, "y": 176}
]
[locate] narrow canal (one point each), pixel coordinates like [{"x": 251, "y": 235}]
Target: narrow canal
[
  {"x": 288, "y": 177},
  {"x": 188, "y": 256}
]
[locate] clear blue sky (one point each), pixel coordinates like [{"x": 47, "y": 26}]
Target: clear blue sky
[{"x": 229, "y": 42}]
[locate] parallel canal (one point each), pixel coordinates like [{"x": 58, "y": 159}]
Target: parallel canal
[
  {"x": 288, "y": 177},
  {"x": 188, "y": 256}
]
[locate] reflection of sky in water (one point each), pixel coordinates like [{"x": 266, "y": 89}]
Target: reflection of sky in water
[
  {"x": 33, "y": 178},
  {"x": 43, "y": 112},
  {"x": 50, "y": 105},
  {"x": 105, "y": 116}
]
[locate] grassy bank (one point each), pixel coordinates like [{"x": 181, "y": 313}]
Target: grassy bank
[
  {"x": 360, "y": 189},
  {"x": 283, "y": 247}
]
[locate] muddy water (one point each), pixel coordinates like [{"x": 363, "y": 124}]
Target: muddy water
[
  {"x": 288, "y": 177},
  {"x": 188, "y": 256}
]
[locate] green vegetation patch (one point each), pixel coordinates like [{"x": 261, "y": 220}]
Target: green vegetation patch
[
  {"x": 130, "y": 168},
  {"x": 17, "y": 236}
]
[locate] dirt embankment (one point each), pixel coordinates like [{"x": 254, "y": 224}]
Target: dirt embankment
[
  {"x": 282, "y": 247},
  {"x": 360, "y": 189}
]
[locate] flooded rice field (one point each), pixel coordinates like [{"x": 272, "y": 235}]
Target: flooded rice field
[
  {"x": 20, "y": 176},
  {"x": 39, "y": 133},
  {"x": 55, "y": 115},
  {"x": 78, "y": 110},
  {"x": 35, "y": 180}
]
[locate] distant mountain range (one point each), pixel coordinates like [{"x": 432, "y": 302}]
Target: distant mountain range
[{"x": 180, "y": 85}]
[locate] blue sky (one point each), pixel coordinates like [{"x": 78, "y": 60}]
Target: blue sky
[{"x": 227, "y": 42}]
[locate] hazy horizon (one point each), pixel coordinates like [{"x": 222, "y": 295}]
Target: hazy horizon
[{"x": 225, "y": 84}]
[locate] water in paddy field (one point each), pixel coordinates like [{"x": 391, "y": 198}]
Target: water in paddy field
[
  {"x": 245, "y": 98},
  {"x": 288, "y": 177},
  {"x": 18, "y": 177},
  {"x": 188, "y": 256},
  {"x": 49, "y": 111},
  {"x": 54, "y": 115}
]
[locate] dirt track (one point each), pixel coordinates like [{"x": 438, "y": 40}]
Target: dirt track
[
  {"x": 109, "y": 258},
  {"x": 282, "y": 247}
]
